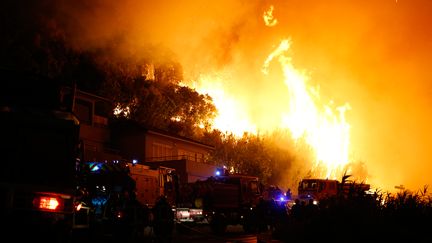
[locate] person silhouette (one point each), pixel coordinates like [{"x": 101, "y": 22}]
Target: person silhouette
[
  {"x": 288, "y": 194},
  {"x": 297, "y": 210},
  {"x": 163, "y": 220}
]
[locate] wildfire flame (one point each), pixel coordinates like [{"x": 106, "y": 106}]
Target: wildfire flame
[
  {"x": 232, "y": 116},
  {"x": 322, "y": 126}
]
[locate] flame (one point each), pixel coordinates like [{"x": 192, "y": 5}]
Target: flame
[
  {"x": 323, "y": 127},
  {"x": 120, "y": 111},
  {"x": 268, "y": 17},
  {"x": 232, "y": 116}
]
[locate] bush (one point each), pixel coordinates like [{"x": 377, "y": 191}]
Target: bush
[{"x": 364, "y": 217}]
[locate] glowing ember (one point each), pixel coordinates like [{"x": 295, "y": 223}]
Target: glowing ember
[
  {"x": 269, "y": 20},
  {"x": 120, "y": 111}
]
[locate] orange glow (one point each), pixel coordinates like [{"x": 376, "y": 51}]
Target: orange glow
[
  {"x": 49, "y": 203},
  {"x": 121, "y": 111},
  {"x": 78, "y": 207},
  {"x": 232, "y": 116}
]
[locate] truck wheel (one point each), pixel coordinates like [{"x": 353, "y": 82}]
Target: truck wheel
[
  {"x": 250, "y": 224},
  {"x": 218, "y": 224},
  {"x": 249, "y": 228},
  {"x": 183, "y": 228}
]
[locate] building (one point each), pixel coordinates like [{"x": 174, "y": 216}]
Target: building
[
  {"x": 159, "y": 148},
  {"x": 102, "y": 140},
  {"x": 93, "y": 113}
]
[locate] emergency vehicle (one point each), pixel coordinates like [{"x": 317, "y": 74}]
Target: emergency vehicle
[
  {"x": 39, "y": 159},
  {"x": 318, "y": 189}
]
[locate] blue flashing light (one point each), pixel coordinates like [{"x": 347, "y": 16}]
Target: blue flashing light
[
  {"x": 95, "y": 168},
  {"x": 134, "y": 161},
  {"x": 218, "y": 173},
  {"x": 282, "y": 198},
  {"x": 99, "y": 201}
]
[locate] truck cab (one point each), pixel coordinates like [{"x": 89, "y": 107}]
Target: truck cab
[
  {"x": 221, "y": 200},
  {"x": 317, "y": 189},
  {"x": 38, "y": 158}
]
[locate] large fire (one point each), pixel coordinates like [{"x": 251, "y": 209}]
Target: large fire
[
  {"x": 321, "y": 126},
  {"x": 376, "y": 55}
]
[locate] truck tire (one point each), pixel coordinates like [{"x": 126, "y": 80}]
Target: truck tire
[
  {"x": 218, "y": 224},
  {"x": 183, "y": 228},
  {"x": 249, "y": 228},
  {"x": 250, "y": 223}
]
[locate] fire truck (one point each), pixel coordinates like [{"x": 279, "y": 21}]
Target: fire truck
[
  {"x": 38, "y": 159},
  {"x": 121, "y": 193},
  {"x": 221, "y": 200},
  {"x": 108, "y": 190},
  {"x": 318, "y": 189},
  {"x": 153, "y": 182}
]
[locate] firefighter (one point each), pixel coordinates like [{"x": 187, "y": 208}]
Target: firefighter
[
  {"x": 288, "y": 194},
  {"x": 262, "y": 215},
  {"x": 136, "y": 216},
  {"x": 163, "y": 220},
  {"x": 297, "y": 211},
  {"x": 311, "y": 210}
]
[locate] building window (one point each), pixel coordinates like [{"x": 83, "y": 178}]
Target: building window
[
  {"x": 102, "y": 108},
  {"x": 161, "y": 151},
  {"x": 190, "y": 155},
  {"x": 84, "y": 111},
  {"x": 200, "y": 157}
]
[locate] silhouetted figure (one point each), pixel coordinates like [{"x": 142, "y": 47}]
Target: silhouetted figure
[
  {"x": 311, "y": 210},
  {"x": 127, "y": 223},
  {"x": 137, "y": 217},
  {"x": 262, "y": 215},
  {"x": 297, "y": 211},
  {"x": 163, "y": 220},
  {"x": 273, "y": 213},
  {"x": 288, "y": 194}
]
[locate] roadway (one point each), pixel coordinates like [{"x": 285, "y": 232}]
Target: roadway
[
  {"x": 196, "y": 234},
  {"x": 234, "y": 233}
]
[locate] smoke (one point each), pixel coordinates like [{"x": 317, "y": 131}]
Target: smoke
[{"x": 372, "y": 54}]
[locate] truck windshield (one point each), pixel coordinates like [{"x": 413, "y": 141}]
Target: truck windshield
[
  {"x": 37, "y": 151},
  {"x": 309, "y": 185}
]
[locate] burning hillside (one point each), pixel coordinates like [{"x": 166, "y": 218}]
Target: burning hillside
[
  {"x": 349, "y": 79},
  {"x": 322, "y": 126}
]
